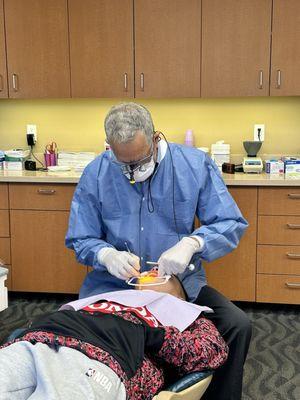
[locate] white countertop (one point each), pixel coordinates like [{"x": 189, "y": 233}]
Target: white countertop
[
  {"x": 39, "y": 176},
  {"x": 237, "y": 179}
]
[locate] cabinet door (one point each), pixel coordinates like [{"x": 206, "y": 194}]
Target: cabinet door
[
  {"x": 234, "y": 275},
  {"x": 236, "y": 39},
  {"x": 167, "y": 48},
  {"x": 37, "y": 48},
  {"x": 285, "y": 77},
  {"x": 40, "y": 260},
  {"x": 101, "y": 48},
  {"x": 3, "y": 70}
]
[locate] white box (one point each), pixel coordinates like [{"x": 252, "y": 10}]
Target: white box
[
  {"x": 3, "y": 289},
  {"x": 13, "y": 165},
  {"x": 274, "y": 166},
  {"x": 292, "y": 169}
]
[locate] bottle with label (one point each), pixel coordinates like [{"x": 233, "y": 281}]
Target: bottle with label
[{"x": 189, "y": 138}]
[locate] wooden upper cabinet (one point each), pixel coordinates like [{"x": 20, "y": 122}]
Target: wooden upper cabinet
[
  {"x": 285, "y": 77},
  {"x": 167, "y": 48},
  {"x": 101, "y": 48},
  {"x": 3, "y": 70},
  {"x": 37, "y": 48},
  {"x": 236, "y": 38}
]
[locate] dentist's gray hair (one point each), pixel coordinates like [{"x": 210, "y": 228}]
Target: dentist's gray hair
[{"x": 124, "y": 120}]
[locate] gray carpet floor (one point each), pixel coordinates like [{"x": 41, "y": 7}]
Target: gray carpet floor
[{"x": 272, "y": 369}]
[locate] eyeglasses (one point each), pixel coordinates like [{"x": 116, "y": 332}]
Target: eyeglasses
[{"x": 132, "y": 166}]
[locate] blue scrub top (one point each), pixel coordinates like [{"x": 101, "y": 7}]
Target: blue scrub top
[{"x": 152, "y": 216}]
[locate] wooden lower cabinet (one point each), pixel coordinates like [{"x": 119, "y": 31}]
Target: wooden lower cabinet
[
  {"x": 234, "y": 275},
  {"x": 278, "y": 288},
  {"x": 278, "y": 250},
  {"x": 41, "y": 262}
]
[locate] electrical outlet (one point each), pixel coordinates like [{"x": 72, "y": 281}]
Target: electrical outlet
[
  {"x": 259, "y": 132},
  {"x": 31, "y": 130}
]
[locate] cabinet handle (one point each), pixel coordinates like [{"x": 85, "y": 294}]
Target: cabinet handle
[
  {"x": 292, "y": 255},
  {"x": 278, "y": 86},
  {"x": 293, "y": 285},
  {"x": 293, "y": 226},
  {"x": 142, "y": 81},
  {"x": 1, "y": 83},
  {"x": 294, "y": 195},
  {"x": 46, "y": 191},
  {"x": 261, "y": 79},
  {"x": 15, "y": 82},
  {"x": 125, "y": 81}
]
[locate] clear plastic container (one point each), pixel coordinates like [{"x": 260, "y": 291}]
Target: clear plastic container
[{"x": 220, "y": 153}]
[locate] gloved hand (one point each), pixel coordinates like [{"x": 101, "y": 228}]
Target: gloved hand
[
  {"x": 121, "y": 264},
  {"x": 175, "y": 260}
]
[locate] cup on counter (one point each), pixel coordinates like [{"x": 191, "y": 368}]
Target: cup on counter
[{"x": 50, "y": 159}]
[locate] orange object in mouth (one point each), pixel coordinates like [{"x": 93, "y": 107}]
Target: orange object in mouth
[
  {"x": 149, "y": 276},
  {"x": 147, "y": 279}
]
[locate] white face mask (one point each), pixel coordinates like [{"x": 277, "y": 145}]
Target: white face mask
[{"x": 143, "y": 173}]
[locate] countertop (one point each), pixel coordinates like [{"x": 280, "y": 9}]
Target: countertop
[{"x": 237, "y": 179}]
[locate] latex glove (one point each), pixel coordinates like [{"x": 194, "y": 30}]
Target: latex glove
[
  {"x": 121, "y": 264},
  {"x": 175, "y": 260}
]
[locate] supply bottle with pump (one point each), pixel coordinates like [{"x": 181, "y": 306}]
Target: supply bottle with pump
[{"x": 189, "y": 138}]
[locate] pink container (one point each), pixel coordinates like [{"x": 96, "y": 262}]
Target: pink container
[{"x": 50, "y": 159}]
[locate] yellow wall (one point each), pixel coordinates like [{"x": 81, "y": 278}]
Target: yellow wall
[{"x": 77, "y": 124}]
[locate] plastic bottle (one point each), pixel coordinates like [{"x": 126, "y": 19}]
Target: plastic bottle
[{"x": 189, "y": 138}]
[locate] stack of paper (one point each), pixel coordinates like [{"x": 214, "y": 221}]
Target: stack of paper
[{"x": 76, "y": 160}]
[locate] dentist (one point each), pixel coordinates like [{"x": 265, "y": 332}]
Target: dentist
[{"x": 143, "y": 196}]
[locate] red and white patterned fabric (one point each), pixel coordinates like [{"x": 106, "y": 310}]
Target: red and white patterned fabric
[{"x": 199, "y": 347}]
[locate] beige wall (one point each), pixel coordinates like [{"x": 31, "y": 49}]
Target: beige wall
[{"x": 77, "y": 124}]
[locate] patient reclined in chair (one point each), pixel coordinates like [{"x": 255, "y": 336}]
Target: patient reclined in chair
[{"x": 107, "y": 349}]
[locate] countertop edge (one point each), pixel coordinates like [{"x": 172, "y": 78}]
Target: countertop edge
[{"x": 238, "y": 179}]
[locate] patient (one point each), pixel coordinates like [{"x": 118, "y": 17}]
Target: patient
[{"x": 110, "y": 349}]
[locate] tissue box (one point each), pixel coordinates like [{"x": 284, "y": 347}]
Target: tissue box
[
  {"x": 292, "y": 168},
  {"x": 274, "y": 167},
  {"x": 13, "y": 165},
  {"x": 3, "y": 289}
]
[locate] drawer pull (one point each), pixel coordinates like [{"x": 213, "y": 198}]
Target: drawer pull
[
  {"x": 293, "y": 285},
  {"x": 293, "y": 226},
  {"x": 46, "y": 191},
  {"x": 294, "y": 195},
  {"x": 292, "y": 255}
]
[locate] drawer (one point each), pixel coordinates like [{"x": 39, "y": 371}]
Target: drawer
[
  {"x": 5, "y": 250},
  {"x": 279, "y": 230},
  {"x": 3, "y": 196},
  {"x": 40, "y": 196},
  {"x": 279, "y": 201},
  {"x": 4, "y": 223},
  {"x": 278, "y": 289},
  {"x": 278, "y": 260}
]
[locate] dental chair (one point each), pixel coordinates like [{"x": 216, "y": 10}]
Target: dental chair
[{"x": 189, "y": 387}]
